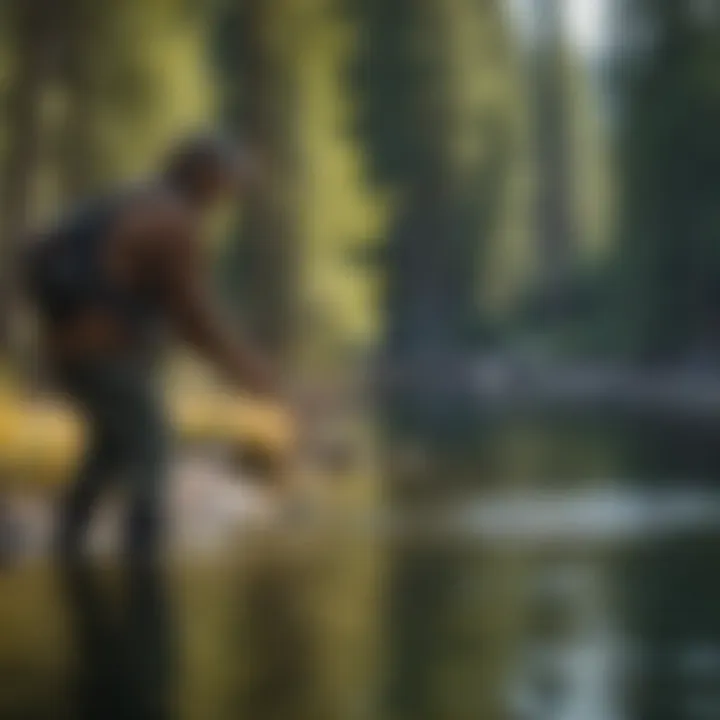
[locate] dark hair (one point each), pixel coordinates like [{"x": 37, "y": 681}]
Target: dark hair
[{"x": 199, "y": 153}]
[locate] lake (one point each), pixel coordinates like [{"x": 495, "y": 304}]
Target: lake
[{"x": 559, "y": 569}]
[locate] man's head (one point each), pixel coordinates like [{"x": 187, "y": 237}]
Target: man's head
[{"x": 209, "y": 168}]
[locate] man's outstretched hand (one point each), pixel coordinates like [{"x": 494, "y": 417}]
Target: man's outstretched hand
[{"x": 258, "y": 377}]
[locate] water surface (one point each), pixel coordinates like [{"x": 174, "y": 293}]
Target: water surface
[{"x": 560, "y": 570}]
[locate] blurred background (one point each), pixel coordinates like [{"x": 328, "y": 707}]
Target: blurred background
[{"x": 488, "y": 256}]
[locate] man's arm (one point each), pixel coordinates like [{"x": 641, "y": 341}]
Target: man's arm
[{"x": 192, "y": 309}]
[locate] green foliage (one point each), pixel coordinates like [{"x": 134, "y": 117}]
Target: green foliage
[
  {"x": 122, "y": 83},
  {"x": 328, "y": 210}
]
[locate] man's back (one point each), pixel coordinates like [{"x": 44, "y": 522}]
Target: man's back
[
  {"x": 63, "y": 265},
  {"x": 92, "y": 275}
]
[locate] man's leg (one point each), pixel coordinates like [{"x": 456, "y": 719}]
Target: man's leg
[
  {"x": 99, "y": 466},
  {"x": 145, "y": 451},
  {"x": 129, "y": 434},
  {"x": 91, "y": 392}
]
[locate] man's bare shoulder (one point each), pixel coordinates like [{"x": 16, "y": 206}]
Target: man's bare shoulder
[
  {"x": 159, "y": 225},
  {"x": 158, "y": 212}
]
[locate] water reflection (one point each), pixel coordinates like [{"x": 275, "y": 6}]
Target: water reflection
[
  {"x": 671, "y": 600},
  {"x": 275, "y": 631},
  {"x": 123, "y": 651},
  {"x": 572, "y": 662},
  {"x": 581, "y": 599},
  {"x": 302, "y": 628},
  {"x": 451, "y": 631}
]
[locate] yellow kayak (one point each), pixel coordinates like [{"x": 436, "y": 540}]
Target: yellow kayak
[{"x": 39, "y": 441}]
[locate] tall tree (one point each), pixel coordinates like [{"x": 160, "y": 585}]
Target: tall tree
[
  {"x": 326, "y": 207},
  {"x": 552, "y": 148},
  {"x": 30, "y": 26},
  {"x": 668, "y": 258},
  {"x": 258, "y": 58},
  {"x": 440, "y": 141}
]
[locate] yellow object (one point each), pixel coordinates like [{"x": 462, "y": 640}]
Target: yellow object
[
  {"x": 40, "y": 441},
  {"x": 227, "y": 419}
]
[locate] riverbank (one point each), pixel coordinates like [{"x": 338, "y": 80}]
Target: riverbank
[{"x": 507, "y": 384}]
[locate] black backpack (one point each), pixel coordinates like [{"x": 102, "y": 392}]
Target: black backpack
[{"x": 60, "y": 269}]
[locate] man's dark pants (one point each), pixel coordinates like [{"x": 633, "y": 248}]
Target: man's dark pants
[{"x": 127, "y": 443}]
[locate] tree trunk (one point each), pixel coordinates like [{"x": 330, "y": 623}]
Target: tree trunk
[
  {"x": 265, "y": 117},
  {"x": 553, "y": 153},
  {"x": 31, "y": 22},
  {"x": 80, "y": 26}
]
